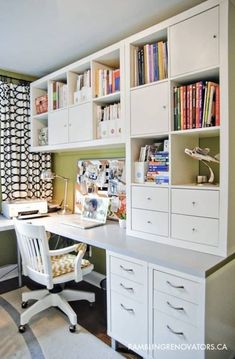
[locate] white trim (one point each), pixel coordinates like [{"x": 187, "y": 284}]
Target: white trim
[
  {"x": 12, "y": 268},
  {"x": 94, "y": 278}
]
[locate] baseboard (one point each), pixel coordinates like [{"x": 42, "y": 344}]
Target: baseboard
[
  {"x": 8, "y": 272},
  {"x": 94, "y": 278}
]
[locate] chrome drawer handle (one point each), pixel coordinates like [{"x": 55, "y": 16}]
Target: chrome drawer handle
[
  {"x": 130, "y": 310},
  {"x": 149, "y": 222},
  {"x": 149, "y": 198},
  {"x": 194, "y": 229},
  {"x": 172, "y": 306},
  {"x": 174, "y": 332},
  {"x": 175, "y": 286},
  {"x": 126, "y": 269},
  {"x": 193, "y": 203},
  {"x": 126, "y": 288}
]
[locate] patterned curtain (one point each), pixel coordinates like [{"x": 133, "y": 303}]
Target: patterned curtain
[{"x": 20, "y": 168}]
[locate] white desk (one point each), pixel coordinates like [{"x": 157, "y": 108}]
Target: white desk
[{"x": 111, "y": 237}]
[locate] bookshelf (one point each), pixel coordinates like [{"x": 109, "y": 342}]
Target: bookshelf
[
  {"x": 194, "y": 56},
  {"x": 196, "y": 52},
  {"x": 72, "y": 103}
]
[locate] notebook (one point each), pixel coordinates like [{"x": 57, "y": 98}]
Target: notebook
[{"x": 94, "y": 213}]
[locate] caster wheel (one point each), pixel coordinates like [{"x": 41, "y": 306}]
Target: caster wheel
[
  {"x": 72, "y": 328},
  {"x": 24, "y": 305},
  {"x": 22, "y": 328}
]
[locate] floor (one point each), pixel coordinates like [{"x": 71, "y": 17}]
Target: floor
[{"x": 93, "y": 319}]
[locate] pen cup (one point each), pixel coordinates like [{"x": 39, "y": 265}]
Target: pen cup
[{"x": 140, "y": 169}]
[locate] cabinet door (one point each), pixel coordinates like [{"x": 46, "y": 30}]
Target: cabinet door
[
  {"x": 149, "y": 109},
  {"x": 58, "y": 127},
  {"x": 80, "y": 123},
  {"x": 194, "y": 43}
]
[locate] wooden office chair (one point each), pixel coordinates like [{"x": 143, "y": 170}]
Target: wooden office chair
[{"x": 50, "y": 267}]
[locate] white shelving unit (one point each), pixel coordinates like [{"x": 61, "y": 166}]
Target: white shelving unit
[
  {"x": 75, "y": 125},
  {"x": 196, "y": 51}
]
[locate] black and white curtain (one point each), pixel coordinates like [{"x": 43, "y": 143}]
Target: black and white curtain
[{"x": 20, "y": 169}]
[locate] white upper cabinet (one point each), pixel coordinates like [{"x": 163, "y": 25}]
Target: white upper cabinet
[
  {"x": 194, "y": 43},
  {"x": 80, "y": 123},
  {"x": 149, "y": 109},
  {"x": 58, "y": 127}
]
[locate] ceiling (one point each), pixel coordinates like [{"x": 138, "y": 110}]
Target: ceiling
[{"x": 40, "y": 36}]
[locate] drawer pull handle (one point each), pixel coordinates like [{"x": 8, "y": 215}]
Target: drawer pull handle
[
  {"x": 175, "y": 286},
  {"x": 127, "y": 288},
  {"x": 130, "y": 310},
  {"x": 149, "y": 198},
  {"x": 193, "y": 203},
  {"x": 174, "y": 332},
  {"x": 172, "y": 306},
  {"x": 149, "y": 222},
  {"x": 126, "y": 269},
  {"x": 194, "y": 229}
]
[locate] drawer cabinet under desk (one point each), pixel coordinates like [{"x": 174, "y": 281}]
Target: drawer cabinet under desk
[{"x": 127, "y": 301}]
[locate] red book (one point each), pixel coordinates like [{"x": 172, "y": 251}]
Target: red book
[
  {"x": 197, "y": 105},
  {"x": 194, "y": 106},
  {"x": 187, "y": 107},
  {"x": 181, "y": 107},
  {"x": 184, "y": 108},
  {"x": 217, "y": 105},
  {"x": 190, "y": 106}
]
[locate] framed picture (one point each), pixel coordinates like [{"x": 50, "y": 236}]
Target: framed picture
[{"x": 102, "y": 178}]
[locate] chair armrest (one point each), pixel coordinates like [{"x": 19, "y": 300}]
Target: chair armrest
[{"x": 59, "y": 252}]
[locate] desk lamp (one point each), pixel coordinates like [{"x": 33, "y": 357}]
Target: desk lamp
[{"x": 47, "y": 175}]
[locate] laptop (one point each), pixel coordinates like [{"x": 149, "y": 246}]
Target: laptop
[{"x": 94, "y": 213}]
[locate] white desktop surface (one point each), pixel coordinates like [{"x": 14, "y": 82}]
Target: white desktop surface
[{"x": 112, "y": 237}]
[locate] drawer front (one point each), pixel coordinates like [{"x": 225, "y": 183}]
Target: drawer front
[
  {"x": 196, "y": 202},
  {"x": 128, "y": 320},
  {"x": 195, "y": 229},
  {"x": 155, "y": 199},
  {"x": 128, "y": 270},
  {"x": 168, "y": 330},
  {"x": 128, "y": 288},
  {"x": 176, "y": 307},
  {"x": 150, "y": 222},
  {"x": 177, "y": 286}
]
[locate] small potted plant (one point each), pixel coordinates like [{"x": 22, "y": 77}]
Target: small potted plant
[{"x": 121, "y": 213}]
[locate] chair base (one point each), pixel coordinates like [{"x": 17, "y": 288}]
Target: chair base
[{"x": 45, "y": 300}]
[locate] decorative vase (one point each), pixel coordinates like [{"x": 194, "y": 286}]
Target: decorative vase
[{"x": 122, "y": 223}]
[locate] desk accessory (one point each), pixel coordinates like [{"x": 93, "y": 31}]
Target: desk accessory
[{"x": 47, "y": 175}]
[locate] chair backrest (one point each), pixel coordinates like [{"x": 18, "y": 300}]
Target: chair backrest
[{"x": 33, "y": 245}]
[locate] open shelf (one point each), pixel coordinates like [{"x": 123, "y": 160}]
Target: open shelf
[
  {"x": 108, "y": 99},
  {"x": 213, "y": 131}
]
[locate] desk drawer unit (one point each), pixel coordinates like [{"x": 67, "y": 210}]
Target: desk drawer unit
[
  {"x": 176, "y": 286},
  {"x": 150, "y": 222},
  {"x": 176, "y": 307},
  {"x": 128, "y": 288},
  {"x": 195, "y": 202},
  {"x": 155, "y": 199},
  {"x": 168, "y": 330},
  {"x": 129, "y": 319},
  {"x": 195, "y": 229},
  {"x": 127, "y": 269}
]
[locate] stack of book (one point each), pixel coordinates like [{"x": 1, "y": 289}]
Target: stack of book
[
  {"x": 158, "y": 168},
  {"x": 107, "y": 81},
  {"x": 59, "y": 95},
  {"x": 83, "y": 90},
  {"x": 196, "y": 105},
  {"x": 84, "y": 80},
  {"x": 110, "y": 112},
  {"x": 150, "y": 63}
]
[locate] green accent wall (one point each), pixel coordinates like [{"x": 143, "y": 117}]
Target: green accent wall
[{"x": 65, "y": 164}]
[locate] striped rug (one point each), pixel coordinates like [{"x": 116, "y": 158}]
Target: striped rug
[{"x": 47, "y": 337}]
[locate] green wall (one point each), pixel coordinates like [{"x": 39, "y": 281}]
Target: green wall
[{"x": 65, "y": 164}]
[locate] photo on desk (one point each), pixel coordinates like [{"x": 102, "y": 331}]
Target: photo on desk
[{"x": 102, "y": 178}]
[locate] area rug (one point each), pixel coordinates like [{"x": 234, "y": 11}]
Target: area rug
[{"x": 47, "y": 337}]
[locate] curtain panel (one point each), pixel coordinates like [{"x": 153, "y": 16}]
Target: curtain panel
[{"x": 20, "y": 168}]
